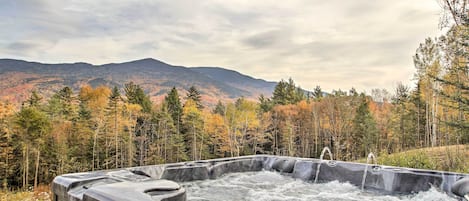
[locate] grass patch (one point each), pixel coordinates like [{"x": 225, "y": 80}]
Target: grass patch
[
  {"x": 9, "y": 195},
  {"x": 446, "y": 158},
  {"x": 42, "y": 193}
]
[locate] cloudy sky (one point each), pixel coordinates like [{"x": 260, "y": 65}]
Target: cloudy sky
[{"x": 332, "y": 43}]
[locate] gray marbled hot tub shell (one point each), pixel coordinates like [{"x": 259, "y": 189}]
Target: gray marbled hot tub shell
[{"x": 159, "y": 182}]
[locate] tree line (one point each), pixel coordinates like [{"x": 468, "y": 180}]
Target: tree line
[{"x": 105, "y": 128}]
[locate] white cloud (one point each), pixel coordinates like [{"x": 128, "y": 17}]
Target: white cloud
[{"x": 335, "y": 44}]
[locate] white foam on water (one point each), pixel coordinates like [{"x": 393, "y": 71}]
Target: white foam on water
[{"x": 271, "y": 186}]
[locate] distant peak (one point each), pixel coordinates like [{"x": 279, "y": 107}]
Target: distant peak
[{"x": 147, "y": 61}]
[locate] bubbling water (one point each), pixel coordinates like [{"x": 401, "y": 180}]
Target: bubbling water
[{"x": 272, "y": 186}]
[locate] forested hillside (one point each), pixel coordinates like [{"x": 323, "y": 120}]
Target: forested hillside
[{"x": 18, "y": 78}]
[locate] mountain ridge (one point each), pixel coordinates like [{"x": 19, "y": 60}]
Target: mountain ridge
[{"x": 19, "y": 77}]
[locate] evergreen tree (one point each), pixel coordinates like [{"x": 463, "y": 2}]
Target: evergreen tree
[
  {"x": 265, "y": 104},
  {"x": 34, "y": 99},
  {"x": 33, "y": 127},
  {"x": 60, "y": 104},
  {"x": 317, "y": 93},
  {"x": 136, "y": 95},
  {"x": 7, "y": 156},
  {"x": 113, "y": 113},
  {"x": 78, "y": 144},
  {"x": 299, "y": 95},
  {"x": 84, "y": 112},
  {"x": 169, "y": 141},
  {"x": 420, "y": 117},
  {"x": 404, "y": 119},
  {"x": 65, "y": 95},
  {"x": 427, "y": 63},
  {"x": 364, "y": 132},
  {"x": 192, "y": 124},
  {"x": 291, "y": 92},
  {"x": 456, "y": 53},
  {"x": 173, "y": 106},
  {"x": 194, "y": 95},
  {"x": 142, "y": 127},
  {"x": 219, "y": 109},
  {"x": 115, "y": 97},
  {"x": 287, "y": 93},
  {"x": 456, "y": 80},
  {"x": 279, "y": 96}
]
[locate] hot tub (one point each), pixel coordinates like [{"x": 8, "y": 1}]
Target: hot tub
[{"x": 183, "y": 181}]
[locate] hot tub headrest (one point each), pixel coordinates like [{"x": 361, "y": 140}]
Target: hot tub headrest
[{"x": 461, "y": 187}]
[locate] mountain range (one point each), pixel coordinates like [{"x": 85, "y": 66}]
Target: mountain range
[{"x": 18, "y": 78}]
